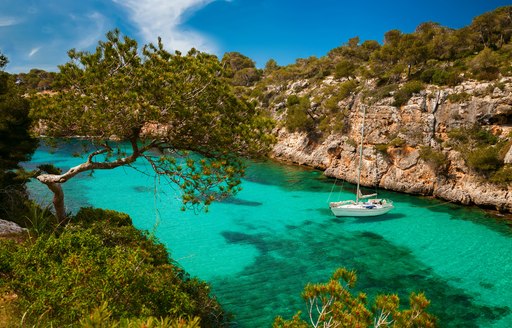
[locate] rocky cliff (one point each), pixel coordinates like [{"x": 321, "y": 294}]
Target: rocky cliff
[{"x": 395, "y": 135}]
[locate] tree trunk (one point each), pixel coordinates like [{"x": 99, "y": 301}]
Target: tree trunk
[
  {"x": 58, "y": 201},
  {"x": 55, "y": 181}
]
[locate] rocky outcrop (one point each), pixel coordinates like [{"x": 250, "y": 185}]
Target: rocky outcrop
[
  {"x": 10, "y": 228},
  {"x": 423, "y": 121}
]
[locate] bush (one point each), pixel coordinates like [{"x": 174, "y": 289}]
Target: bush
[
  {"x": 484, "y": 159},
  {"x": 101, "y": 317},
  {"x": 406, "y": 91},
  {"x": 297, "y": 115},
  {"x": 60, "y": 279},
  {"x": 503, "y": 176},
  {"x": 397, "y": 142},
  {"x": 382, "y": 148},
  {"x": 345, "y": 68},
  {"x": 441, "y": 76},
  {"x": 379, "y": 93},
  {"x": 471, "y": 137},
  {"x": 346, "y": 88},
  {"x": 434, "y": 158},
  {"x": 459, "y": 97},
  {"x": 485, "y": 65},
  {"x": 89, "y": 215},
  {"x": 334, "y": 122},
  {"x": 333, "y": 304}
]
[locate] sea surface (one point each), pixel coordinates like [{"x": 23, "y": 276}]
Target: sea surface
[{"x": 259, "y": 248}]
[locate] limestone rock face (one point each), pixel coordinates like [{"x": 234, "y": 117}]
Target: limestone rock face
[
  {"x": 9, "y": 228},
  {"x": 508, "y": 157},
  {"x": 424, "y": 121}
]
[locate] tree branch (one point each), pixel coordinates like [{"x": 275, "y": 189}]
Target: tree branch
[{"x": 88, "y": 166}]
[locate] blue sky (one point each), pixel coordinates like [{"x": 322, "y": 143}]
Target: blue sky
[{"x": 38, "y": 33}]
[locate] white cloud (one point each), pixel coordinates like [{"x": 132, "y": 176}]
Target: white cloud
[
  {"x": 8, "y": 21},
  {"x": 95, "y": 28},
  {"x": 162, "y": 18},
  {"x": 33, "y": 51}
]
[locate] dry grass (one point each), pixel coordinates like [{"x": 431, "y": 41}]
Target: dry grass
[{"x": 8, "y": 316}]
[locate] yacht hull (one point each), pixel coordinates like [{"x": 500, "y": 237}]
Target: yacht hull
[{"x": 360, "y": 209}]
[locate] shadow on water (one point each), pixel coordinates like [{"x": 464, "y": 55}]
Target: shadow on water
[
  {"x": 367, "y": 219},
  {"x": 475, "y": 215},
  {"x": 238, "y": 201},
  {"x": 272, "y": 285},
  {"x": 381, "y": 218},
  {"x": 143, "y": 189}
]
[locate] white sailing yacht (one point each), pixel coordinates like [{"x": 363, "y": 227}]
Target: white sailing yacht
[{"x": 363, "y": 205}]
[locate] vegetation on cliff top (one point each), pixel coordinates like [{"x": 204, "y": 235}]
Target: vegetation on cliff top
[{"x": 400, "y": 67}]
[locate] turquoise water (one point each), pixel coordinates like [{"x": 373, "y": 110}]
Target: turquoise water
[{"x": 259, "y": 248}]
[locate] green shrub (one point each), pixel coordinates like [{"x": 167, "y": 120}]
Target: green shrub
[
  {"x": 485, "y": 65},
  {"x": 345, "y": 68},
  {"x": 297, "y": 115},
  {"x": 406, "y": 91},
  {"x": 457, "y": 136},
  {"x": 484, "y": 159},
  {"x": 336, "y": 95},
  {"x": 292, "y": 100},
  {"x": 61, "y": 278},
  {"x": 397, "y": 142},
  {"x": 336, "y": 304},
  {"x": 89, "y": 215},
  {"x": 379, "y": 93},
  {"x": 503, "y": 176},
  {"x": 459, "y": 97},
  {"x": 435, "y": 158},
  {"x": 39, "y": 219},
  {"x": 441, "y": 76},
  {"x": 382, "y": 148},
  {"x": 331, "y": 104},
  {"x": 101, "y": 317},
  {"x": 346, "y": 88},
  {"x": 334, "y": 122},
  {"x": 471, "y": 137}
]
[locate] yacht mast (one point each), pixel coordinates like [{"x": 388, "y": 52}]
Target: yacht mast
[{"x": 360, "y": 156}]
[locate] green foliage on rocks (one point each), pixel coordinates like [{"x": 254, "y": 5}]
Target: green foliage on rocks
[
  {"x": 503, "y": 176},
  {"x": 485, "y": 65},
  {"x": 298, "y": 116},
  {"x": 484, "y": 159},
  {"x": 435, "y": 158},
  {"x": 406, "y": 91},
  {"x": 337, "y": 94},
  {"x": 372, "y": 96},
  {"x": 459, "y": 97},
  {"x": 441, "y": 76},
  {"x": 470, "y": 137},
  {"x": 61, "y": 277},
  {"x": 481, "y": 150}
]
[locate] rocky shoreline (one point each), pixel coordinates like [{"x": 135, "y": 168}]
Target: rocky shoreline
[{"x": 424, "y": 120}]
